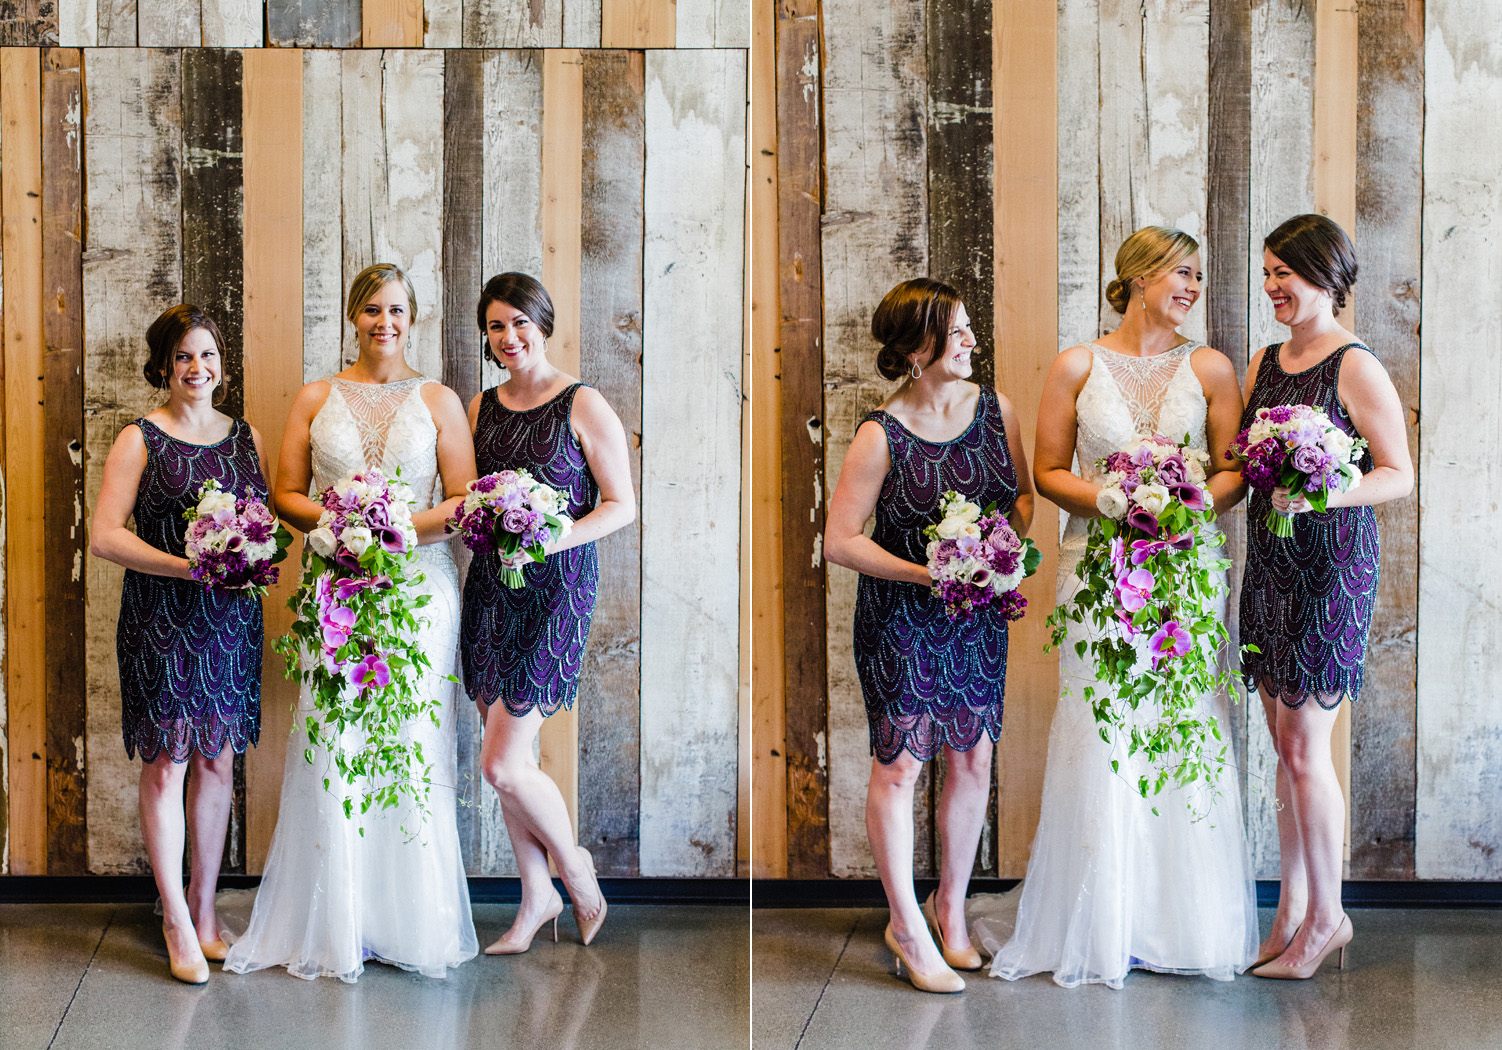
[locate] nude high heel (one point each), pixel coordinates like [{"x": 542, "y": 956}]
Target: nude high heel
[
  {"x": 1263, "y": 960},
  {"x": 521, "y": 944},
  {"x": 194, "y": 970},
  {"x": 944, "y": 982},
  {"x": 1337, "y": 943},
  {"x": 969, "y": 959},
  {"x": 589, "y": 927},
  {"x": 215, "y": 950}
]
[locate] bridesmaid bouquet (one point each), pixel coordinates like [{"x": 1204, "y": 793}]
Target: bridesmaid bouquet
[
  {"x": 1297, "y": 447},
  {"x": 511, "y": 511},
  {"x": 234, "y": 544},
  {"x": 977, "y": 561},
  {"x": 1149, "y": 599},
  {"x": 355, "y": 643}
]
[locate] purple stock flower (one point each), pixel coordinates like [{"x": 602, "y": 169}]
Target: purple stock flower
[
  {"x": 1167, "y": 642},
  {"x": 1280, "y": 413}
]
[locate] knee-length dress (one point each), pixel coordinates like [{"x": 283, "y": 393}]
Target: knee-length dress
[
  {"x": 524, "y": 646},
  {"x": 1307, "y": 600},
  {"x": 929, "y": 681},
  {"x": 190, "y": 657}
]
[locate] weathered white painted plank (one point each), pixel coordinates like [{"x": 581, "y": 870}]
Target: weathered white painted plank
[
  {"x": 581, "y": 23},
  {"x": 1459, "y": 827},
  {"x": 322, "y": 247},
  {"x": 445, "y": 23},
  {"x": 78, "y": 23},
  {"x": 1079, "y": 120},
  {"x": 132, "y": 142},
  {"x": 512, "y": 23},
  {"x": 168, "y": 23},
  {"x": 233, "y": 23},
  {"x": 875, "y": 234},
  {"x": 362, "y": 170},
  {"x": 712, "y": 23},
  {"x": 693, "y": 252},
  {"x": 115, "y": 21}
]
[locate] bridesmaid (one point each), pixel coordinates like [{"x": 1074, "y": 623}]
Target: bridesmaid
[
  {"x": 190, "y": 658},
  {"x": 523, "y": 647},
  {"x": 930, "y": 684},
  {"x": 1307, "y": 600}
]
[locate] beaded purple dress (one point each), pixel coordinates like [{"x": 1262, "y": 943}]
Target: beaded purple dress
[
  {"x": 190, "y": 657},
  {"x": 928, "y": 680},
  {"x": 1307, "y": 600},
  {"x": 524, "y": 646}
]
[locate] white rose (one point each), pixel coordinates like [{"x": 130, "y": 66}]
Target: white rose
[
  {"x": 1152, "y": 498},
  {"x": 322, "y": 541},
  {"x": 1259, "y": 432},
  {"x": 1338, "y": 444},
  {"x": 1112, "y": 502},
  {"x": 928, "y": 552},
  {"x": 968, "y": 512},
  {"x": 1194, "y": 469},
  {"x": 216, "y": 500},
  {"x": 356, "y": 540},
  {"x": 969, "y": 528},
  {"x": 949, "y": 528},
  {"x": 1209, "y": 498}
]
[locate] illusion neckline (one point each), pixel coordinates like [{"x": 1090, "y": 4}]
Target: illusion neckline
[
  {"x": 394, "y": 382},
  {"x": 1187, "y": 344}
]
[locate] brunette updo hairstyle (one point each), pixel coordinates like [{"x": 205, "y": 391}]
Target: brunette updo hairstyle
[
  {"x": 370, "y": 281},
  {"x": 1318, "y": 250},
  {"x": 1150, "y": 251},
  {"x": 519, "y": 291},
  {"x": 167, "y": 333},
  {"x": 913, "y": 317}
]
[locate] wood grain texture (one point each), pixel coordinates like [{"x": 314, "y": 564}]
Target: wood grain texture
[
  {"x": 131, "y": 272},
  {"x": 78, "y": 23},
  {"x": 875, "y": 233},
  {"x": 800, "y": 368},
  {"x": 711, "y": 23},
  {"x": 391, "y": 23},
  {"x": 443, "y": 23},
  {"x": 322, "y": 197},
  {"x": 1077, "y": 129},
  {"x": 513, "y": 23},
  {"x": 581, "y": 23},
  {"x": 274, "y": 326},
  {"x": 638, "y": 23},
  {"x": 1459, "y": 810},
  {"x": 610, "y": 317},
  {"x": 5, "y": 751},
  {"x": 28, "y": 23},
  {"x": 115, "y": 23},
  {"x": 62, "y": 317},
  {"x": 313, "y": 23},
  {"x": 233, "y": 23},
  {"x": 25, "y": 496},
  {"x": 692, "y": 258},
  {"x": 168, "y": 23},
  {"x": 1031, "y": 185}
]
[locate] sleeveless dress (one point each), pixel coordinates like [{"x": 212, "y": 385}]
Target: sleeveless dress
[
  {"x": 1111, "y": 886},
  {"x": 190, "y": 658},
  {"x": 1307, "y": 600},
  {"x": 524, "y": 646},
  {"x": 331, "y": 898},
  {"x": 929, "y": 681}
]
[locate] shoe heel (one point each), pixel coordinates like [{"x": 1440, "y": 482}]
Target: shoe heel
[
  {"x": 1342, "y": 957},
  {"x": 555, "y": 932}
]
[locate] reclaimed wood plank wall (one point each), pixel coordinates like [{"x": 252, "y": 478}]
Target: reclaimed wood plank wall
[
  {"x": 1220, "y": 117},
  {"x": 135, "y": 178}
]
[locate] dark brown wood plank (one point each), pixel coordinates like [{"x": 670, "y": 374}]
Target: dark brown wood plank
[
  {"x": 213, "y": 231},
  {"x": 62, "y": 315},
  {"x": 28, "y": 23},
  {"x": 313, "y": 23},
  {"x": 610, "y": 359},
  {"x": 1389, "y": 198},
  {"x": 800, "y": 352},
  {"x": 463, "y": 175}
]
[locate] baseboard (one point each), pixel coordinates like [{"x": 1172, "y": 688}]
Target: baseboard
[
  {"x": 128, "y": 889},
  {"x": 1373, "y": 893}
]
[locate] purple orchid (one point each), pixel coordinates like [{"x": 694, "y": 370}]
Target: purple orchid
[{"x": 1168, "y": 642}]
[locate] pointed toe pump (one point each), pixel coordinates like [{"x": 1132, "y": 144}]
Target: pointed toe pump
[
  {"x": 1339, "y": 940},
  {"x": 943, "y": 981},
  {"x": 966, "y": 959},
  {"x": 509, "y": 945}
]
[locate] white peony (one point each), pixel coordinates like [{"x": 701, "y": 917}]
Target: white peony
[
  {"x": 322, "y": 541},
  {"x": 1338, "y": 443},
  {"x": 970, "y": 529},
  {"x": 356, "y": 539},
  {"x": 1194, "y": 469},
  {"x": 1112, "y": 502},
  {"x": 1152, "y": 498},
  {"x": 216, "y": 500},
  {"x": 968, "y": 512}
]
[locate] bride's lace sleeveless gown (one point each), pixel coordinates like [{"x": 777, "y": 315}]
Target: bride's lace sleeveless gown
[
  {"x": 1111, "y": 886},
  {"x": 330, "y": 898}
]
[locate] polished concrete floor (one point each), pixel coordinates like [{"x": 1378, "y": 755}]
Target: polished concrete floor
[
  {"x": 1430, "y": 978},
  {"x": 94, "y": 977}
]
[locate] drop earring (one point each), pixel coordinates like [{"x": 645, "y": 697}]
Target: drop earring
[{"x": 916, "y": 371}]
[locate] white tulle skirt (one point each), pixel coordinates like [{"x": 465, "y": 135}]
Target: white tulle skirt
[
  {"x": 331, "y": 898},
  {"x": 1112, "y": 886}
]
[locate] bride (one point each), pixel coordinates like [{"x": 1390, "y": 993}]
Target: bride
[
  {"x": 331, "y": 897},
  {"x": 1111, "y": 886}
]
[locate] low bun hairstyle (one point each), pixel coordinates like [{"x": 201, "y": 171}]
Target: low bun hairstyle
[
  {"x": 371, "y": 280},
  {"x": 167, "y": 333},
  {"x": 913, "y": 318},
  {"x": 519, "y": 291},
  {"x": 1318, "y": 250},
  {"x": 1151, "y": 250}
]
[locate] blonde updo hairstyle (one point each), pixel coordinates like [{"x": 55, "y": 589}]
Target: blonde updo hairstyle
[
  {"x": 1148, "y": 252},
  {"x": 369, "y": 281},
  {"x": 913, "y": 318}
]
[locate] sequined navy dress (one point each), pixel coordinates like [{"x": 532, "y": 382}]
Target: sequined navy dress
[
  {"x": 190, "y": 658},
  {"x": 1307, "y": 600},
  {"x": 524, "y": 646},
  {"x": 929, "y": 681}
]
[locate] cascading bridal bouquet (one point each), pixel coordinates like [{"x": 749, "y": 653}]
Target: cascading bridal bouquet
[
  {"x": 511, "y": 511},
  {"x": 1297, "y": 447},
  {"x": 977, "y": 561},
  {"x": 1148, "y": 602},
  {"x": 355, "y": 643},
  {"x": 234, "y": 544}
]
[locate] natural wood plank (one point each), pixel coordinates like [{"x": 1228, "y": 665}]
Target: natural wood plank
[
  {"x": 322, "y": 197},
  {"x": 313, "y": 23},
  {"x": 1077, "y": 130},
  {"x": 168, "y": 23},
  {"x": 610, "y": 317},
  {"x": 62, "y": 311},
  {"x": 1031, "y": 185},
  {"x": 1389, "y": 201},
  {"x": 78, "y": 23},
  {"x": 5, "y": 752},
  {"x": 769, "y": 805},
  {"x": 273, "y": 82},
  {"x": 562, "y": 177},
  {"x": 132, "y": 160},
  {"x": 116, "y": 22},
  {"x": 443, "y": 23},
  {"x": 638, "y": 23},
  {"x": 512, "y": 23},
  {"x": 391, "y": 23},
  {"x": 581, "y": 23},
  {"x": 711, "y": 23},
  {"x": 1459, "y": 809},
  {"x": 28, "y": 23},
  {"x": 233, "y": 23},
  {"x": 25, "y": 496},
  {"x": 694, "y": 211}
]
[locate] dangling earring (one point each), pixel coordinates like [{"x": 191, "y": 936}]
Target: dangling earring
[{"x": 916, "y": 372}]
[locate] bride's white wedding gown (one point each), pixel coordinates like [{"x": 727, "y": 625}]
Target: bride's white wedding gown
[
  {"x": 1111, "y": 886},
  {"x": 330, "y": 898}
]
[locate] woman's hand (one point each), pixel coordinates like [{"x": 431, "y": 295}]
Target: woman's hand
[{"x": 1285, "y": 502}]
